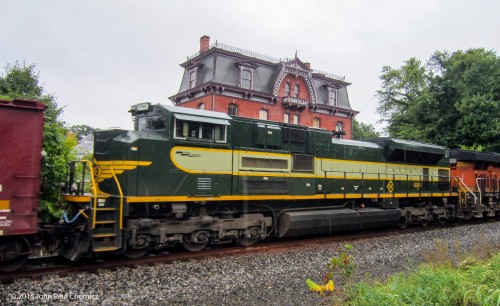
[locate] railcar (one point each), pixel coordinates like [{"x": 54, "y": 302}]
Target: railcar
[
  {"x": 21, "y": 128},
  {"x": 476, "y": 179},
  {"x": 195, "y": 177}
]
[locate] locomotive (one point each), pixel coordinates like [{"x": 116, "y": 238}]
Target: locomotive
[{"x": 193, "y": 178}]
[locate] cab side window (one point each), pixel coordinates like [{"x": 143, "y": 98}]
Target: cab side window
[{"x": 200, "y": 131}]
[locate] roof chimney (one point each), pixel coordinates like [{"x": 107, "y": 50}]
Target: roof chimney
[{"x": 204, "y": 43}]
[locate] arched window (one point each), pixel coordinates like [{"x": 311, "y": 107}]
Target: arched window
[
  {"x": 232, "y": 109},
  {"x": 295, "y": 119},
  {"x": 201, "y": 106},
  {"x": 287, "y": 89},
  {"x": 316, "y": 122},
  {"x": 246, "y": 78},
  {"x": 286, "y": 118},
  {"x": 296, "y": 91},
  {"x": 339, "y": 128},
  {"x": 263, "y": 114},
  {"x": 192, "y": 79}
]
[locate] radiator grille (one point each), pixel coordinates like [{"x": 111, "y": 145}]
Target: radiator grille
[{"x": 204, "y": 183}]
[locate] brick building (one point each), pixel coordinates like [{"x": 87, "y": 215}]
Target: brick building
[{"x": 243, "y": 83}]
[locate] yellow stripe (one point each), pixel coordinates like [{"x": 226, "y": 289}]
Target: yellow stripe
[
  {"x": 143, "y": 199},
  {"x": 123, "y": 163}
]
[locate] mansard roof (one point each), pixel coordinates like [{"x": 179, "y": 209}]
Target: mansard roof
[{"x": 220, "y": 66}]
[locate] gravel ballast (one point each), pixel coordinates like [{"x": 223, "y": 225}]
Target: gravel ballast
[{"x": 275, "y": 278}]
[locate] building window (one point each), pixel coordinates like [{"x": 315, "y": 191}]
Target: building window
[
  {"x": 263, "y": 114},
  {"x": 316, "y": 122},
  {"x": 192, "y": 78},
  {"x": 246, "y": 78},
  {"x": 201, "y": 106},
  {"x": 295, "y": 119},
  {"x": 332, "y": 97},
  {"x": 232, "y": 109},
  {"x": 339, "y": 128},
  {"x": 287, "y": 89},
  {"x": 296, "y": 91},
  {"x": 286, "y": 118}
]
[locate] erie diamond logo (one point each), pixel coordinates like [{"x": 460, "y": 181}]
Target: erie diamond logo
[{"x": 390, "y": 186}]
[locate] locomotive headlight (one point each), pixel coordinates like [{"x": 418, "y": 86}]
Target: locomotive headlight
[{"x": 143, "y": 107}]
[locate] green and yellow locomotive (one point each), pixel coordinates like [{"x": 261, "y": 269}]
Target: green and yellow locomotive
[{"x": 195, "y": 177}]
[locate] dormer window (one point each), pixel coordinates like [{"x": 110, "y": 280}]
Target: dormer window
[
  {"x": 246, "y": 78},
  {"x": 246, "y": 70},
  {"x": 332, "y": 96},
  {"x": 193, "y": 77}
]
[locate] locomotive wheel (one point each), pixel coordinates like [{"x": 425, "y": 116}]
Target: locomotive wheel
[
  {"x": 468, "y": 215},
  {"x": 135, "y": 253},
  {"x": 244, "y": 241},
  {"x": 250, "y": 237},
  {"x": 442, "y": 220},
  {"x": 424, "y": 222},
  {"x": 12, "y": 256},
  {"x": 196, "y": 241},
  {"x": 403, "y": 222}
]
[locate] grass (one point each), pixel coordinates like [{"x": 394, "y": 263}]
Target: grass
[{"x": 449, "y": 276}]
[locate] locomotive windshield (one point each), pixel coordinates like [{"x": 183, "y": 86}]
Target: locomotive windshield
[
  {"x": 200, "y": 130},
  {"x": 151, "y": 123}
]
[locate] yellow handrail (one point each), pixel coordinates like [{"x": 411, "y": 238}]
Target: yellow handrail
[
  {"x": 463, "y": 190},
  {"x": 93, "y": 189},
  {"x": 121, "y": 197}
]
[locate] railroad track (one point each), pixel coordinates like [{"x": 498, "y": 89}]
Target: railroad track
[{"x": 56, "y": 265}]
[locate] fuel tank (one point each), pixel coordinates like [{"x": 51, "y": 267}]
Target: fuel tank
[{"x": 329, "y": 221}]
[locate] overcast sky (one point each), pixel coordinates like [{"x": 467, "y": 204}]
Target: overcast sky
[{"x": 100, "y": 57}]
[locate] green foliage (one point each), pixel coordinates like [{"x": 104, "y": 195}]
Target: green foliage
[
  {"x": 81, "y": 130},
  {"x": 344, "y": 262},
  {"x": 483, "y": 295},
  {"x": 438, "y": 282},
  {"x": 22, "y": 81},
  {"x": 452, "y": 100},
  {"x": 363, "y": 131}
]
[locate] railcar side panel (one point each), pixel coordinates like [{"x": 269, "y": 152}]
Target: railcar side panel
[{"x": 21, "y": 128}]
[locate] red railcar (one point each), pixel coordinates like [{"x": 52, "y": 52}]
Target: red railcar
[
  {"x": 21, "y": 128},
  {"x": 479, "y": 174}
]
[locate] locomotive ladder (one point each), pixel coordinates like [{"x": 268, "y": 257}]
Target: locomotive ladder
[
  {"x": 465, "y": 195},
  {"x": 107, "y": 218}
]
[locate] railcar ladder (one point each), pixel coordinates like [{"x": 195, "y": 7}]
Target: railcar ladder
[
  {"x": 107, "y": 218},
  {"x": 465, "y": 196}
]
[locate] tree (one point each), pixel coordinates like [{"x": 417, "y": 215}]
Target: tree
[
  {"x": 363, "y": 131},
  {"x": 81, "y": 130},
  {"x": 22, "y": 81},
  {"x": 452, "y": 100}
]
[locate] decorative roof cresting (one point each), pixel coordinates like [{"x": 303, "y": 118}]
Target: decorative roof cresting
[{"x": 263, "y": 57}]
